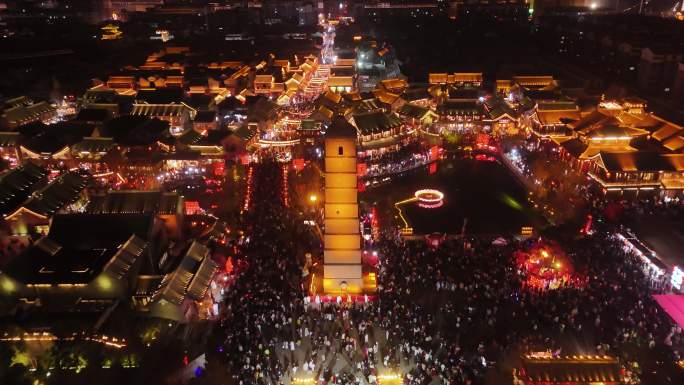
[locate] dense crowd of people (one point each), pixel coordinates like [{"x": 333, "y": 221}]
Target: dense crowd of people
[
  {"x": 457, "y": 313},
  {"x": 482, "y": 315}
]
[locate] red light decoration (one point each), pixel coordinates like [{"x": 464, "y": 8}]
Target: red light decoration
[
  {"x": 587, "y": 225},
  {"x": 192, "y": 207},
  {"x": 546, "y": 267},
  {"x": 219, "y": 168},
  {"x": 361, "y": 169},
  {"x": 248, "y": 192},
  {"x": 482, "y": 139},
  {"x": 229, "y": 265},
  {"x": 434, "y": 152},
  {"x": 298, "y": 164},
  {"x": 285, "y": 188},
  {"x": 244, "y": 159}
]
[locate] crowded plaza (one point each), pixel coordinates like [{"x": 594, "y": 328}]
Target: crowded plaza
[{"x": 462, "y": 311}]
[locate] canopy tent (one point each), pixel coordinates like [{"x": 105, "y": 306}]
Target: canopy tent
[{"x": 673, "y": 305}]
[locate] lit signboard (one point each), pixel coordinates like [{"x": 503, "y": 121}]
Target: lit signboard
[{"x": 677, "y": 278}]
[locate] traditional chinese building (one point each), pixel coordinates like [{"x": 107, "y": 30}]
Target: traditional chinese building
[
  {"x": 458, "y": 79},
  {"x": 85, "y": 262},
  {"x": 167, "y": 207},
  {"x": 378, "y": 132},
  {"x": 33, "y": 216},
  {"x": 178, "y": 115},
  {"x": 342, "y": 241},
  {"x": 175, "y": 295},
  {"x": 20, "y": 111},
  {"x": 552, "y": 119},
  {"x": 17, "y": 184}
]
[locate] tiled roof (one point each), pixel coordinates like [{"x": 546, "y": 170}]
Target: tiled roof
[
  {"x": 60, "y": 192},
  {"x": 136, "y": 202},
  {"x": 22, "y": 114},
  {"x": 385, "y": 96},
  {"x": 94, "y": 145},
  {"x": 497, "y": 107},
  {"x": 641, "y": 161},
  {"x": 452, "y": 107},
  {"x": 245, "y": 133},
  {"x": 205, "y": 117},
  {"x": 674, "y": 143},
  {"x": 574, "y": 147},
  {"x": 168, "y": 95},
  {"x": 340, "y": 128},
  {"x": 666, "y": 132},
  {"x": 586, "y": 123},
  {"x": 93, "y": 115},
  {"x": 17, "y": 184},
  {"x": 558, "y": 106},
  {"x": 152, "y": 110},
  {"x": 547, "y": 117},
  {"x": 125, "y": 258},
  {"x": 375, "y": 122},
  {"x": 189, "y": 137},
  {"x": 9, "y": 139},
  {"x": 190, "y": 279},
  {"x": 413, "y": 111},
  {"x": 79, "y": 247},
  {"x": 262, "y": 109},
  {"x": 414, "y": 94},
  {"x": 615, "y": 131}
]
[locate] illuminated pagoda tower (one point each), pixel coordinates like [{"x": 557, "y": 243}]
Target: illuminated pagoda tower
[{"x": 342, "y": 272}]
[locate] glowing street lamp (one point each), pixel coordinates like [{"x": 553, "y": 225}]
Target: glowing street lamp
[{"x": 313, "y": 198}]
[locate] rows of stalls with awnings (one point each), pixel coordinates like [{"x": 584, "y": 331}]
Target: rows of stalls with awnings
[
  {"x": 661, "y": 276},
  {"x": 666, "y": 282}
]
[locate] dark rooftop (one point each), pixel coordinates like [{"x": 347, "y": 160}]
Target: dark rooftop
[
  {"x": 161, "y": 95},
  {"x": 92, "y": 115},
  {"x": 340, "y": 128},
  {"x": 17, "y": 184},
  {"x": 79, "y": 246},
  {"x": 135, "y": 202},
  {"x": 136, "y": 130}
]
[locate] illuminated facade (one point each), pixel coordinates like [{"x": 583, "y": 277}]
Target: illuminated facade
[{"x": 342, "y": 271}]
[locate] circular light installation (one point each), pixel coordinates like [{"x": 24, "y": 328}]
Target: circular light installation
[{"x": 429, "y": 198}]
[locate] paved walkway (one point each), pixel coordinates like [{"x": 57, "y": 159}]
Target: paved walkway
[{"x": 333, "y": 358}]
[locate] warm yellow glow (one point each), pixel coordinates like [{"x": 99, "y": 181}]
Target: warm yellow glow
[
  {"x": 298, "y": 380},
  {"x": 104, "y": 282},
  {"x": 342, "y": 257},
  {"x": 545, "y": 253},
  {"x": 401, "y": 214},
  {"x": 312, "y": 287},
  {"x": 389, "y": 378},
  {"x": 7, "y": 285},
  {"x": 313, "y": 198}
]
